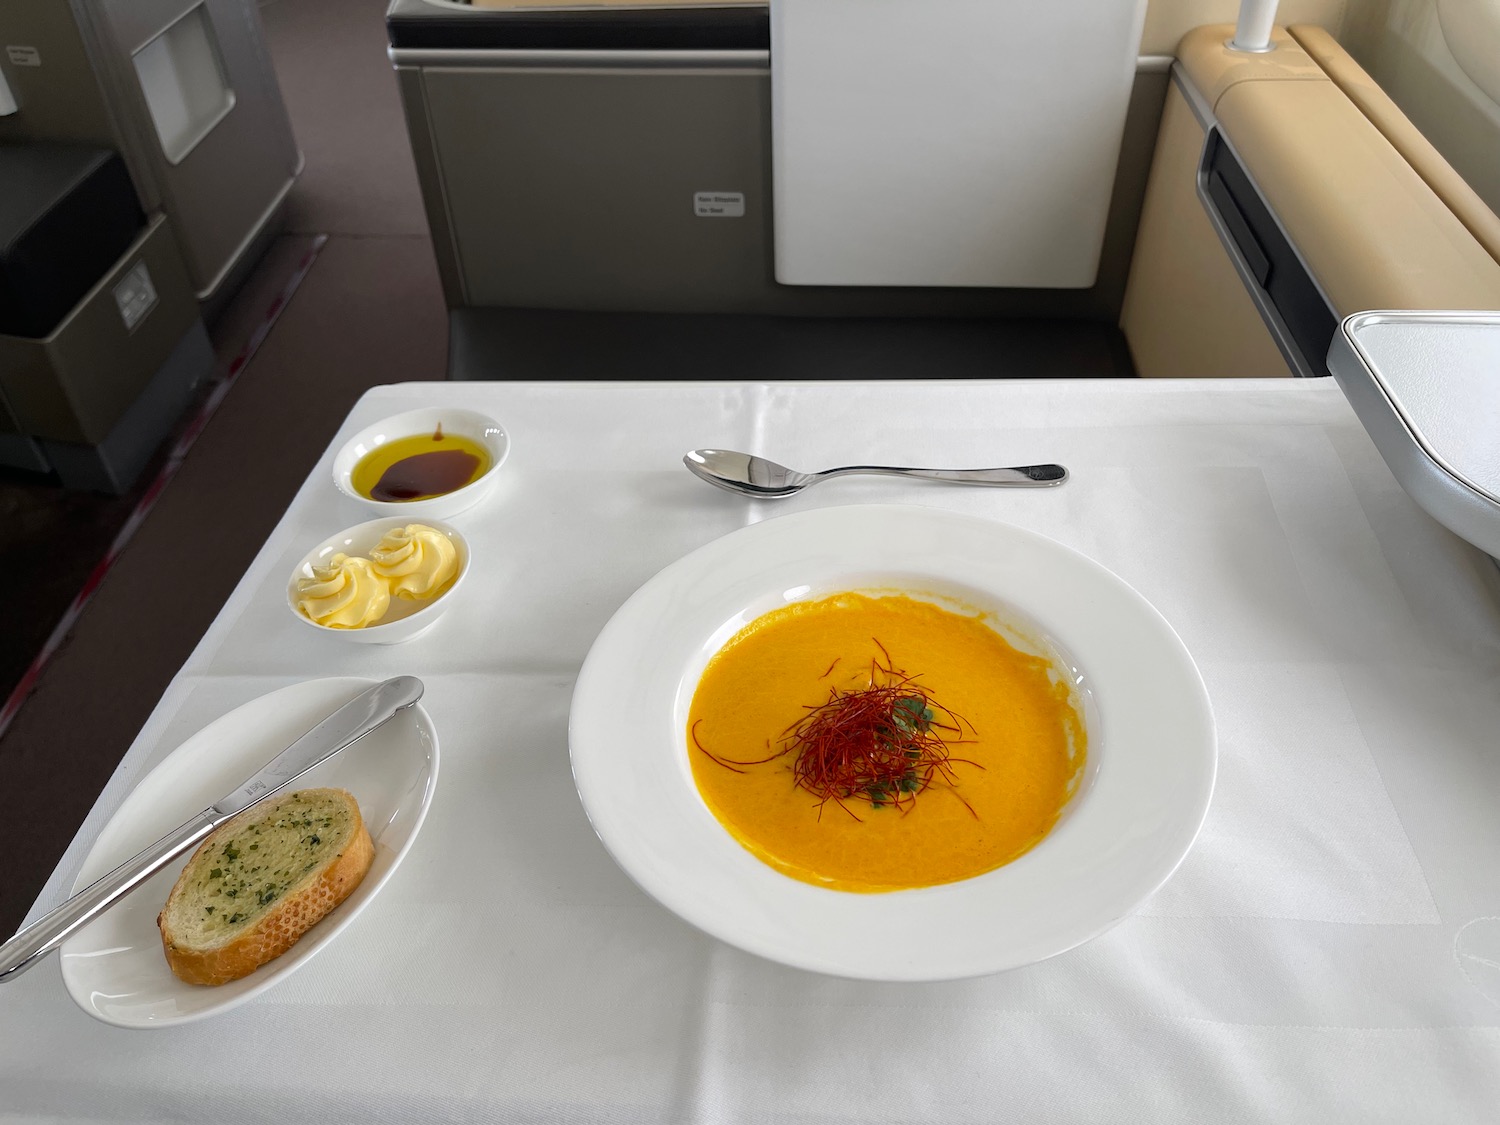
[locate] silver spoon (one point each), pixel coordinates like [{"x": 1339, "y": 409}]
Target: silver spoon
[{"x": 755, "y": 476}]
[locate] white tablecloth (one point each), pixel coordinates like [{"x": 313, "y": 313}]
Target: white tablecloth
[{"x": 1330, "y": 950}]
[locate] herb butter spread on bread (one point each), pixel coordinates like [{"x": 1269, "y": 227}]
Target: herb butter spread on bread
[{"x": 261, "y": 881}]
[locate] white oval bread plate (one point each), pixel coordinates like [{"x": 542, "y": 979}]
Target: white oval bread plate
[
  {"x": 1151, "y": 746},
  {"x": 114, "y": 968}
]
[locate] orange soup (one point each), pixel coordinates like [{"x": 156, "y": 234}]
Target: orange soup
[{"x": 992, "y": 734}]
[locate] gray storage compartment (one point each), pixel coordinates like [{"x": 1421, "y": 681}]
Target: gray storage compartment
[{"x": 94, "y": 398}]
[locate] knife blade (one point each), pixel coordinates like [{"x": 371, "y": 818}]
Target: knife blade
[{"x": 366, "y": 712}]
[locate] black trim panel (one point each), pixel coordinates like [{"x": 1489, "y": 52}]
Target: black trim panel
[
  {"x": 594, "y": 29},
  {"x": 1271, "y": 258},
  {"x": 566, "y": 345},
  {"x": 1239, "y": 229}
]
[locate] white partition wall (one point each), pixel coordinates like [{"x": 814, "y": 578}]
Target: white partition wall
[{"x": 947, "y": 142}]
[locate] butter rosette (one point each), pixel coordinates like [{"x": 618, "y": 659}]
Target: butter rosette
[
  {"x": 418, "y": 561},
  {"x": 346, "y": 593}
]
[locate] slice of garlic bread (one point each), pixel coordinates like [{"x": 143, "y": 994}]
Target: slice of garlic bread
[{"x": 261, "y": 881}]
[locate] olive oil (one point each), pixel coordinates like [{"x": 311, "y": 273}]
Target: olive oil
[{"x": 419, "y": 467}]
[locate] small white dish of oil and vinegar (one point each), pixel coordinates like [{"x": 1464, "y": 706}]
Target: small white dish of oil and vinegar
[
  {"x": 430, "y": 464},
  {"x": 386, "y": 610}
]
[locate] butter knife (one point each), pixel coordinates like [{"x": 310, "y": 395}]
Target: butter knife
[{"x": 351, "y": 722}]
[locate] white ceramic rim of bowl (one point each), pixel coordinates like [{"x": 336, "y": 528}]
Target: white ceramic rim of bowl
[
  {"x": 371, "y": 531},
  {"x": 1151, "y": 738},
  {"x": 407, "y": 424}
]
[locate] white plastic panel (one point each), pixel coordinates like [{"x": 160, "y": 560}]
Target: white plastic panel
[
  {"x": 1423, "y": 386},
  {"x": 947, "y": 142},
  {"x": 1439, "y": 373},
  {"x": 184, "y": 84}
]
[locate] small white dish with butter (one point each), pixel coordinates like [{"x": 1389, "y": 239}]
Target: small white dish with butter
[{"x": 380, "y": 582}]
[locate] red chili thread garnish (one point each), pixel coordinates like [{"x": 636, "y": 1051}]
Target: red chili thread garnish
[
  {"x": 729, "y": 763},
  {"x": 882, "y": 744}
]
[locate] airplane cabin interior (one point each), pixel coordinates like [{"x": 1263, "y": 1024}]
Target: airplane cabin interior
[{"x": 1254, "y": 245}]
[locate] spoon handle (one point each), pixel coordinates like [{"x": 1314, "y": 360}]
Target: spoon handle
[{"x": 1024, "y": 476}]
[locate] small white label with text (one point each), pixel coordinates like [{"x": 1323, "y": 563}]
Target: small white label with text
[
  {"x": 135, "y": 296},
  {"x": 719, "y": 204}
]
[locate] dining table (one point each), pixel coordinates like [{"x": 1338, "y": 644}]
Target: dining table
[{"x": 1328, "y": 950}]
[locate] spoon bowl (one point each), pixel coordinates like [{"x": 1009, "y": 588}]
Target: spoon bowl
[{"x": 756, "y": 476}]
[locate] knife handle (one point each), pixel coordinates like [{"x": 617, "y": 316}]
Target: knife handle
[{"x": 20, "y": 952}]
